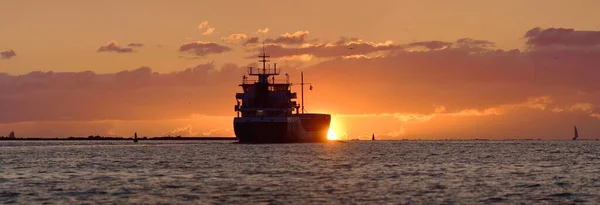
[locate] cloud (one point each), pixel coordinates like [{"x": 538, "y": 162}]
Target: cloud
[
  {"x": 468, "y": 74},
  {"x": 113, "y": 46},
  {"x": 345, "y": 40},
  {"x": 538, "y": 37},
  {"x": 8, "y": 54},
  {"x": 476, "y": 112},
  {"x": 355, "y": 57},
  {"x": 303, "y": 57},
  {"x": 440, "y": 109},
  {"x": 328, "y": 50},
  {"x": 432, "y": 45},
  {"x": 209, "y": 31},
  {"x": 203, "y": 25},
  {"x": 296, "y": 38},
  {"x": 520, "y": 123},
  {"x": 217, "y": 132},
  {"x": 468, "y": 42},
  {"x": 138, "y": 94},
  {"x": 540, "y": 102},
  {"x": 250, "y": 41},
  {"x": 583, "y": 107},
  {"x": 498, "y": 122},
  {"x": 236, "y": 37},
  {"x": 135, "y": 45},
  {"x": 182, "y": 131},
  {"x": 203, "y": 48},
  {"x": 468, "y": 89},
  {"x": 349, "y": 48},
  {"x": 262, "y": 31},
  {"x": 463, "y": 43}
]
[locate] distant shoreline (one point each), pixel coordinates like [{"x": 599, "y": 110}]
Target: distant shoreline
[
  {"x": 233, "y": 138},
  {"x": 116, "y": 138}
]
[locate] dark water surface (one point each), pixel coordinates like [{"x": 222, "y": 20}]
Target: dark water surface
[{"x": 355, "y": 172}]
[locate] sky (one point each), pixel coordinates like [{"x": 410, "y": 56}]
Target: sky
[{"x": 416, "y": 69}]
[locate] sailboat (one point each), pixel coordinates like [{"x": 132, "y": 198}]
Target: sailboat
[
  {"x": 135, "y": 137},
  {"x": 576, "y": 134}
]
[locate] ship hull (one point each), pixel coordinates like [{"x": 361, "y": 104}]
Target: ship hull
[{"x": 293, "y": 129}]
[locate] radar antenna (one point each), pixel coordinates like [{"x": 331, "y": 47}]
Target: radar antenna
[{"x": 264, "y": 57}]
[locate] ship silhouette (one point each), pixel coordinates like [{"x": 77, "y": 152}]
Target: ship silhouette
[{"x": 268, "y": 113}]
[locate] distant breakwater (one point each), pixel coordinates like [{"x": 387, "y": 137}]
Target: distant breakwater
[{"x": 119, "y": 138}]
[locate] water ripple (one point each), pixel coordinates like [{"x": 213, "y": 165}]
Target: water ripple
[{"x": 364, "y": 172}]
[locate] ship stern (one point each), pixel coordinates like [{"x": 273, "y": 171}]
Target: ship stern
[{"x": 299, "y": 128}]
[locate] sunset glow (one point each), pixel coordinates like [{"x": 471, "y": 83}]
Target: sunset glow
[
  {"x": 424, "y": 69},
  {"x": 300, "y": 102},
  {"x": 336, "y": 128},
  {"x": 331, "y": 135}
]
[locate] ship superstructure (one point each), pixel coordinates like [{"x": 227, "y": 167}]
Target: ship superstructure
[{"x": 268, "y": 113}]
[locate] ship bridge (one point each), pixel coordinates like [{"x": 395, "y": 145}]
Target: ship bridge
[{"x": 265, "y": 96}]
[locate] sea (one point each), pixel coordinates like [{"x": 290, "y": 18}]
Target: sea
[{"x": 345, "y": 172}]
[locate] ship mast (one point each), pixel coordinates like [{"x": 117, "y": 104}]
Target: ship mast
[
  {"x": 264, "y": 60},
  {"x": 302, "y": 89},
  {"x": 264, "y": 57}
]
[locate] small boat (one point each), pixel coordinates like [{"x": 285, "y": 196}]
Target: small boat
[
  {"x": 135, "y": 137},
  {"x": 576, "y": 135}
]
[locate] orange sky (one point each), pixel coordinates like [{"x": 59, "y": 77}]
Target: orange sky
[{"x": 418, "y": 69}]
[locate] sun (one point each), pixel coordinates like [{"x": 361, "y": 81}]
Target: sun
[
  {"x": 335, "y": 127},
  {"x": 331, "y": 135}
]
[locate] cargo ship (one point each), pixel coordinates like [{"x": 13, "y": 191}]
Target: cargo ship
[{"x": 267, "y": 111}]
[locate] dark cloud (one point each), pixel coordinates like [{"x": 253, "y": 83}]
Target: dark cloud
[
  {"x": 113, "y": 46},
  {"x": 468, "y": 42},
  {"x": 8, "y": 54},
  {"x": 538, "y": 37},
  {"x": 250, "y": 41},
  {"x": 464, "y": 43},
  {"x": 432, "y": 45},
  {"x": 203, "y": 48},
  {"x": 135, "y": 44},
  {"x": 127, "y": 95}
]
